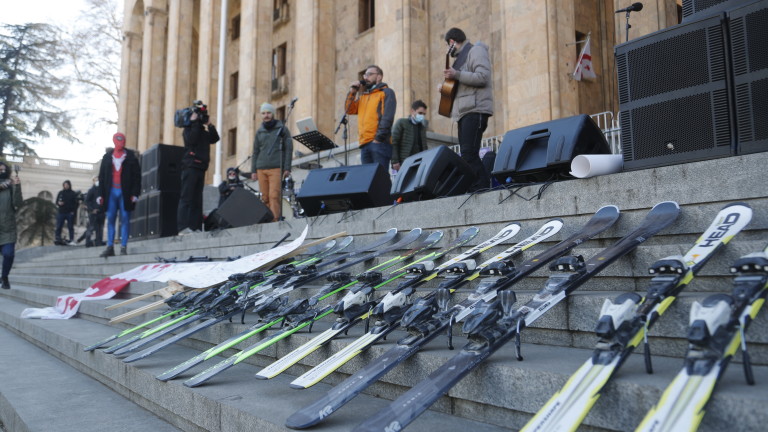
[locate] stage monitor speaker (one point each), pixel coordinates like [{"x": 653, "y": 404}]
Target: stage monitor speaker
[
  {"x": 161, "y": 168},
  {"x": 697, "y": 9},
  {"x": 544, "y": 151},
  {"x": 161, "y": 213},
  {"x": 345, "y": 188},
  {"x": 431, "y": 174},
  {"x": 748, "y": 27},
  {"x": 674, "y": 103},
  {"x": 242, "y": 208}
]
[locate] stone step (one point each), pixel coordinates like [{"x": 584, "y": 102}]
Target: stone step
[{"x": 40, "y": 392}]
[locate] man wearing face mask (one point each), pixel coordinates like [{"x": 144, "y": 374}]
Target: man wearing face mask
[
  {"x": 120, "y": 186},
  {"x": 473, "y": 104},
  {"x": 375, "y": 109},
  {"x": 10, "y": 201},
  {"x": 95, "y": 215},
  {"x": 230, "y": 184},
  {"x": 409, "y": 135}
]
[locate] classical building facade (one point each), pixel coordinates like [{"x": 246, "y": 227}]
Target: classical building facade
[{"x": 276, "y": 50}]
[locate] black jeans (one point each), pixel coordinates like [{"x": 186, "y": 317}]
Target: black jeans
[
  {"x": 471, "y": 128},
  {"x": 95, "y": 226},
  {"x": 190, "y": 212}
]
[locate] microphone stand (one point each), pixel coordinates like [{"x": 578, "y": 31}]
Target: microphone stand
[
  {"x": 279, "y": 216},
  {"x": 627, "y": 27},
  {"x": 345, "y": 133}
]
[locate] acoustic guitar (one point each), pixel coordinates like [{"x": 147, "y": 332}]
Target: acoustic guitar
[{"x": 448, "y": 89}]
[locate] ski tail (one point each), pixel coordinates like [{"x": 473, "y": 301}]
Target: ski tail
[{"x": 625, "y": 322}]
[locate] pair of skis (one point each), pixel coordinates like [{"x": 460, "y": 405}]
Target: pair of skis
[
  {"x": 624, "y": 324},
  {"x": 717, "y": 328},
  {"x": 424, "y": 323},
  {"x": 497, "y": 322}
]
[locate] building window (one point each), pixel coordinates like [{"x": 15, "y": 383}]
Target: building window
[
  {"x": 580, "y": 37},
  {"x": 234, "y": 85},
  {"x": 232, "y": 142},
  {"x": 236, "y": 27},
  {"x": 280, "y": 11},
  {"x": 280, "y": 113},
  {"x": 367, "y": 9},
  {"x": 279, "y": 79}
]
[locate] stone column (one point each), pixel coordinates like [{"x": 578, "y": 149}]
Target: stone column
[
  {"x": 130, "y": 82},
  {"x": 152, "y": 76},
  {"x": 249, "y": 76},
  {"x": 178, "y": 66},
  {"x": 314, "y": 60},
  {"x": 208, "y": 51}
]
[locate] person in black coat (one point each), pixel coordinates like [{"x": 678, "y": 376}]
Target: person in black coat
[
  {"x": 198, "y": 137},
  {"x": 230, "y": 184},
  {"x": 120, "y": 186},
  {"x": 66, "y": 201},
  {"x": 95, "y": 215}
]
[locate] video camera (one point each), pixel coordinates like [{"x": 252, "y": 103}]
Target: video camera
[{"x": 182, "y": 118}]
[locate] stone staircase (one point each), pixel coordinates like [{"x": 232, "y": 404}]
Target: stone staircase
[{"x": 501, "y": 394}]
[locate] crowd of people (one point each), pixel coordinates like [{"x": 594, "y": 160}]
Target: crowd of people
[{"x": 381, "y": 139}]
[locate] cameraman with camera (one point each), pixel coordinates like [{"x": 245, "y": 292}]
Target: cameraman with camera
[{"x": 198, "y": 135}]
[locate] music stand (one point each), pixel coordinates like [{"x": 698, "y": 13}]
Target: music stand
[{"x": 316, "y": 142}]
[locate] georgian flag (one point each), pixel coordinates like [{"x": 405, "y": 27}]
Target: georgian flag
[{"x": 584, "y": 63}]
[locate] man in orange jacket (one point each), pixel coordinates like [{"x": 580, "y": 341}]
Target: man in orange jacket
[{"x": 374, "y": 103}]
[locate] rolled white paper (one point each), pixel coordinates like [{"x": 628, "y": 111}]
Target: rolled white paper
[{"x": 590, "y": 165}]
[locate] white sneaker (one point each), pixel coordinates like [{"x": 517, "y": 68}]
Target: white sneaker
[
  {"x": 72, "y": 243},
  {"x": 185, "y": 231}
]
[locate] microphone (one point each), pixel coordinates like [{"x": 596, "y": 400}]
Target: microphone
[
  {"x": 293, "y": 101},
  {"x": 635, "y": 7}
]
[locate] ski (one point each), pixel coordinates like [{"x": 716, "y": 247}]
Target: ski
[
  {"x": 258, "y": 328},
  {"x": 415, "y": 275},
  {"x": 471, "y": 232},
  {"x": 624, "y": 324},
  {"x": 391, "y": 308},
  {"x": 424, "y": 327},
  {"x": 314, "y": 253},
  {"x": 305, "y": 308},
  {"x": 717, "y": 328},
  {"x": 495, "y": 323}
]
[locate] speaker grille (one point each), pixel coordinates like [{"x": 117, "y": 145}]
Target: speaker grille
[
  {"x": 694, "y": 8},
  {"x": 760, "y": 107},
  {"x": 757, "y": 23}
]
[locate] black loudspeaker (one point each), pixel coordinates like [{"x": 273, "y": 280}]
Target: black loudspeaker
[
  {"x": 544, "y": 151},
  {"x": 749, "y": 50},
  {"x": 432, "y": 173},
  {"x": 161, "y": 168},
  {"x": 697, "y": 9},
  {"x": 344, "y": 188},
  {"x": 241, "y": 208},
  {"x": 161, "y": 213},
  {"x": 674, "y": 103},
  {"x": 139, "y": 220}
]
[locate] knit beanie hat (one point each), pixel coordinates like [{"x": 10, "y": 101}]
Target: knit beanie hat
[{"x": 267, "y": 107}]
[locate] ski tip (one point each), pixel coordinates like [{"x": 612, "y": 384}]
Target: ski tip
[
  {"x": 299, "y": 421},
  {"x": 296, "y": 386},
  {"x": 261, "y": 377}
]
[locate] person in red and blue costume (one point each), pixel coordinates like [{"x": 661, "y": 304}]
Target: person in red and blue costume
[{"x": 120, "y": 185}]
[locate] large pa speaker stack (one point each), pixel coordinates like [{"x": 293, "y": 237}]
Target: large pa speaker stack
[
  {"x": 345, "y": 188},
  {"x": 155, "y": 212},
  {"x": 673, "y": 95},
  {"x": 241, "y": 208},
  {"x": 434, "y": 173},
  {"x": 748, "y": 28}
]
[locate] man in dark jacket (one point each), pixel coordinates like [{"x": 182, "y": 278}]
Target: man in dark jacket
[
  {"x": 120, "y": 186},
  {"x": 266, "y": 161},
  {"x": 10, "y": 201},
  {"x": 198, "y": 137},
  {"x": 95, "y": 215},
  {"x": 409, "y": 135},
  {"x": 66, "y": 201}
]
